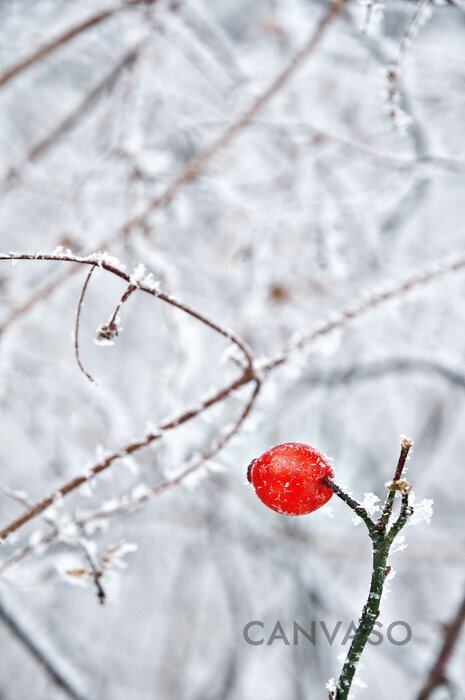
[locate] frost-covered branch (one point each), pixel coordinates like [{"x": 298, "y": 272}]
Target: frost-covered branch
[
  {"x": 141, "y": 497},
  {"x": 51, "y": 663},
  {"x": 398, "y": 117},
  {"x": 44, "y": 145},
  {"x": 198, "y": 163},
  {"x": 250, "y": 372},
  {"x": 437, "y": 675},
  {"x": 77, "y": 324},
  {"x": 63, "y": 39},
  {"x": 382, "y": 539},
  {"x": 351, "y": 502}
]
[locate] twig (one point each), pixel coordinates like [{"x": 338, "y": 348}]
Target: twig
[
  {"x": 399, "y": 119},
  {"x": 41, "y": 147},
  {"x": 250, "y": 372},
  {"x": 107, "y": 331},
  {"x": 351, "y": 502},
  {"x": 382, "y": 540},
  {"x": 100, "y": 260},
  {"x": 370, "y": 7},
  {"x": 76, "y": 326},
  {"x": 39, "y": 295},
  {"x": 52, "y": 667},
  {"x": 131, "y": 503},
  {"x": 438, "y": 673},
  {"x": 198, "y": 163},
  {"x": 63, "y": 39},
  {"x": 387, "y": 510},
  {"x": 95, "y": 570},
  {"x": 362, "y": 306}
]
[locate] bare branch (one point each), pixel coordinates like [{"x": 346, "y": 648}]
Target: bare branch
[
  {"x": 63, "y": 39},
  {"x": 381, "y": 544},
  {"x": 387, "y": 509},
  {"x": 51, "y": 666},
  {"x": 438, "y": 674},
  {"x": 43, "y": 146},
  {"x": 340, "y": 320},
  {"x": 76, "y": 326},
  {"x": 198, "y": 163}
]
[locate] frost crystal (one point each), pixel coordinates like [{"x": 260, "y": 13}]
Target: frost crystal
[
  {"x": 422, "y": 511},
  {"x": 331, "y": 685}
]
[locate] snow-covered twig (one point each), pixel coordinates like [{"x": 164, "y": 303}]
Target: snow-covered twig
[
  {"x": 198, "y": 163},
  {"x": 63, "y": 39},
  {"x": 399, "y": 119},
  {"x": 250, "y": 372}
]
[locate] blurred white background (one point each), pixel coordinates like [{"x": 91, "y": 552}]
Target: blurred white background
[{"x": 343, "y": 182}]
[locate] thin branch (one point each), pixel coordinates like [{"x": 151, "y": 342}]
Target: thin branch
[
  {"x": 393, "y": 73},
  {"x": 63, "y": 39},
  {"x": 42, "y": 147},
  {"x": 131, "y": 503},
  {"x": 370, "y": 7},
  {"x": 406, "y": 510},
  {"x": 107, "y": 331},
  {"x": 250, "y": 372},
  {"x": 438, "y": 674},
  {"x": 381, "y": 541},
  {"x": 95, "y": 571},
  {"x": 198, "y": 163},
  {"x": 147, "y": 287},
  {"x": 51, "y": 666},
  {"x": 39, "y": 295},
  {"x": 362, "y": 306},
  {"x": 387, "y": 509},
  {"x": 76, "y": 326},
  {"x": 351, "y": 502},
  {"x": 370, "y": 370}
]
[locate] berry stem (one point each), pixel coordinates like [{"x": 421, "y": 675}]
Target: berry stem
[
  {"x": 352, "y": 503},
  {"x": 368, "y": 618},
  {"x": 382, "y": 539}
]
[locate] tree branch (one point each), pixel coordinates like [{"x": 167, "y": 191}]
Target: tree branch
[
  {"x": 381, "y": 542},
  {"x": 76, "y": 326},
  {"x": 198, "y": 163},
  {"x": 250, "y": 372},
  {"x": 438, "y": 673},
  {"x": 63, "y": 39}
]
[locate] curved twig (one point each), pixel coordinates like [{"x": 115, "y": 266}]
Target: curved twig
[
  {"x": 131, "y": 503},
  {"x": 250, "y": 373},
  {"x": 76, "y": 327}
]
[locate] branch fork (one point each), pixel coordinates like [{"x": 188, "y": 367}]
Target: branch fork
[{"x": 382, "y": 536}]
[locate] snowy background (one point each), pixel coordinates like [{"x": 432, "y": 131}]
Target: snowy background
[{"x": 349, "y": 178}]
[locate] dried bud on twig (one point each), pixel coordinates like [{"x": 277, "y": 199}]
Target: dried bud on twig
[{"x": 400, "y": 485}]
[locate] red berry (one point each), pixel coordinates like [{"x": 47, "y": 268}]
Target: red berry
[{"x": 287, "y": 478}]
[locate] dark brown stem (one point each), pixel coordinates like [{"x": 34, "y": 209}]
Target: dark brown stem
[
  {"x": 61, "y": 40},
  {"x": 40, "y": 148},
  {"x": 351, "y": 502},
  {"x": 387, "y": 509},
  {"x": 76, "y": 326},
  {"x": 438, "y": 673}
]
